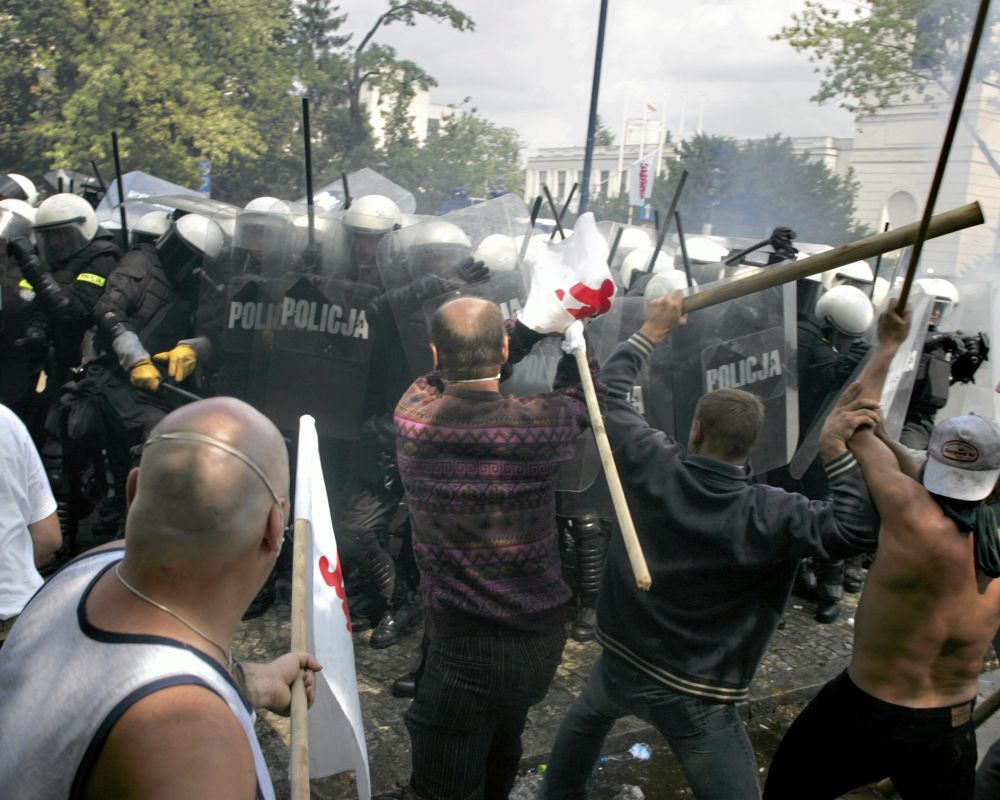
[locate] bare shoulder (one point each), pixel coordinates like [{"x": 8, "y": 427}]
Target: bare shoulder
[{"x": 183, "y": 741}]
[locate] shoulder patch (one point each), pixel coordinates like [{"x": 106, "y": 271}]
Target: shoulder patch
[{"x": 90, "y": 277}]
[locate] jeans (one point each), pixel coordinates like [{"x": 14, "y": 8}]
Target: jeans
[
  {"x": 706, "y": 736},
  {"x": 845, "y": 738},
  {"x": 472, "y": 702}
]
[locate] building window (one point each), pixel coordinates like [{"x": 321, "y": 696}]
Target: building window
[
  {"x": 901, "y": 209},
  {"x": 543, "y": 178},
  {"x": 433, "y": 128},
  {"x": 605, "y": 175},
  {"x": 562, "y": 184}
]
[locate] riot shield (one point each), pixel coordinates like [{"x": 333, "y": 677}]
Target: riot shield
[
  {"x": 361, "y": 182},
  {"x": 190, "y": 204},
  {"x": 895, "y": 393},
  {"x": 748, "y": 343},
  {"x": 16, "y": 217},
  {"x": 137, "y": 186},
  {"x": 420, "y": 268}
]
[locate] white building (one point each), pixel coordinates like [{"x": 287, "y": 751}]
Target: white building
[{"x": 428, "y": 118}]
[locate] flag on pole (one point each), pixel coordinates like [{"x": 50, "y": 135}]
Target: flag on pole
[
  {"x": 570, "y": 280},
  {"x": 640, "y": 179},
  {"x": 650, "y": 106},
  {"x": 336, "y": 731}
]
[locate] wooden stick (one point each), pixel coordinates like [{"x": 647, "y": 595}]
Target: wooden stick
[
  {"x": 298, "y": 764},
  {"x": 982, "y": 712},
  {"x": 957, "y": 219},
  {"x": 632, "y": 546},
  {"x": 942, "y": 162}
]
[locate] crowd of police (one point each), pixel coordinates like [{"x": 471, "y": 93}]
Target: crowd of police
[{"x": 295, "y": 309}]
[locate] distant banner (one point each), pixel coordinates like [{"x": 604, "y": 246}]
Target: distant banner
[
  {"x": 640, "y": 182},
  {"x": 336, "y": 731}
]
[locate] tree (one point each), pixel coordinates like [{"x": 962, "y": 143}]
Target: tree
[
  {"x": 888, "y": 51},
  {"x": 747, "y": 189},
  {"x": 177, "y": 81},
  {"x": 603, "y": 137},
  {"x": 470, "y": 152}
]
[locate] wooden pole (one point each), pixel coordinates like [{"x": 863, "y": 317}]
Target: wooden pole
[
  {"x": 942, "y": 163},
  {"x": 957, "y": 219},
  {"x": 298, "y": 764},
  {"x": 632, "y": 546}
]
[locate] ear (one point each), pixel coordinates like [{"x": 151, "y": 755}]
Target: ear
[
  {"x": 275, "y": 532},
  {"x": 434, "y": 355},
  {"x": 697, "y": 436},
  {"x": 506, "y": 350},
  {"x": 131, "y": 483}
]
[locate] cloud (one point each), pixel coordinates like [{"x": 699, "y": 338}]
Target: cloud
[{"x": 528, "y": 65}]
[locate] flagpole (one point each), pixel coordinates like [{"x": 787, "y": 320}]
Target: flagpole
[
  {"x": 298, "y": 765},
  {"x": 621, "y": 143}
]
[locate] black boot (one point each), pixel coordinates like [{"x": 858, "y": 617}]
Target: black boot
[
  {"x": 591, "y": 548},
  {"x": 396, "y": 621},
  {"x": 854, "y": 576},
  {"x": 405, "y": 686}
]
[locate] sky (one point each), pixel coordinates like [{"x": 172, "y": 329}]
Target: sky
[{"x": 529, "y": 64}]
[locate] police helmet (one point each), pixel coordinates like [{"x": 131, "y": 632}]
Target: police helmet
[
  {"x": 636, "y": 262},
  {"x": 267, "y": 203},
  {"x": 498, "y": 252},
  {"x": 186, "y": 243},
  {"x": 854, "y": 274},
  {"x": 64, "y": 225},
  {"x": 149, "y": 227},
  {"x": 18, "y": 187},
  {"x": 847, "y": 309},
  {"x": 666, "y": 282},
  {"x": 373, "y": 214}
]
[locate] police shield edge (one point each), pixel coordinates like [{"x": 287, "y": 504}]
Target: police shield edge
[
  {"x": 748, "y": 343},
  {"x": 362, "y": 182},
  {"x": 421, "y": 267}
]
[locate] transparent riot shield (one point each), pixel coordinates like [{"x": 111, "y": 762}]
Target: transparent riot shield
[
  {"x": 138, "y": 187},
  {"x": 424, "y": 265},
  {"x": 361, "y": 182},
  {"x": 632, "y": 237},
  {"x": 189, "y": 203},
  {"x": 748, "y": 343},
  {"x": 896, "y": 391}
]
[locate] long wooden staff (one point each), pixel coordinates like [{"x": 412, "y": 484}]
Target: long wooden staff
[
  {"x": 298, "y": 765},
  {"x": 957, "y": 219},
  {"x": 632, "y": 546}
]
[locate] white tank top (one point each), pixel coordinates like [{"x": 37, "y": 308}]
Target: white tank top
[{"x": 64, "y": 683}]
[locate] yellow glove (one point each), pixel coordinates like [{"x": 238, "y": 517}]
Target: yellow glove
[
  {"x": 145, "y": 376},
  {"x": 183, "y": 359}
]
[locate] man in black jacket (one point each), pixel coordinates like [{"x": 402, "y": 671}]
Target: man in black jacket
[{"x": 722, "y": 553}]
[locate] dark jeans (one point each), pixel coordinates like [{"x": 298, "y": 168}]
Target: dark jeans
[
  {"x": 707, "y": 737},
  {"x": 472, "y": 702},
  {"x": 845, "y": 738}
]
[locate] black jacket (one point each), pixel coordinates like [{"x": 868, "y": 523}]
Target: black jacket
[{"x": 722, "y": 552}]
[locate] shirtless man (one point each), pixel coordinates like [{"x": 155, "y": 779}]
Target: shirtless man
[
  {"x": 118, "y": 678},
  {"x": 927, "y": 614}
]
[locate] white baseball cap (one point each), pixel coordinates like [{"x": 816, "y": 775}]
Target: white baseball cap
[{"x": 963, "y": 458}]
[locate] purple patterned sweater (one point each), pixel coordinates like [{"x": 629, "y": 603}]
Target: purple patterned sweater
[{"x": 479, "y": 471}]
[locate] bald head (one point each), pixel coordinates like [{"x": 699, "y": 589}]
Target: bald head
[
  {"x": 468, "y": 334},
  {"x": 195, "y": 497}
]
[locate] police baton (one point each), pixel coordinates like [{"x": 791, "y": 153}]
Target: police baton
[
  {"x": 535, "y": 208},
  {"x": 957, "y": 219},
  {"x": 629, "y": 536},
  {"x": 189, "y": 396}
]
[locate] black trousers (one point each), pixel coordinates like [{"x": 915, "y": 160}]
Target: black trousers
[
  {"x": 472, "y": 702},
  {"x": 845, "y": 738}
]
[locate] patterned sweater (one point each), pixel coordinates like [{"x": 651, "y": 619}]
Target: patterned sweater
[{"x": 479, "y": 471}]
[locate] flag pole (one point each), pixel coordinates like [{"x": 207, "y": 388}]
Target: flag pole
[
  {"x": 629, "y": 536},
  {"x": 298, "y": 765}
]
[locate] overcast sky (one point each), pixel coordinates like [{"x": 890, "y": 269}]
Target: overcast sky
[{"x": 529, "y": 64}]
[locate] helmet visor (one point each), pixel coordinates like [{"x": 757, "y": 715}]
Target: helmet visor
[{"x": 59, "y": 241}]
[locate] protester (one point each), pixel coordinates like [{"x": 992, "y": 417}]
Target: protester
[
  {"x": 118, "y": 680},
  {"x": 722, "y": 553},
  {"x": 929, "y": 609},
  {"x": 29, "y": 527},
  {"x": 479, "y": 473}
]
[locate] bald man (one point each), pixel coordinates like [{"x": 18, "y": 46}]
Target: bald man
[
  {"x": 479, "y": 473},
  {"x": 118, "y": 679}
]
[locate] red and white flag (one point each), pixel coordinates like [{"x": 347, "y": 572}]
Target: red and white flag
[
  {"x": 570, "y": 280},
  {"x": 640, "y": 180},
  {"x": 336, "y": 732},
  {"x": 650, "y": 107}
]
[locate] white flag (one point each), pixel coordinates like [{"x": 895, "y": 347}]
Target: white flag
[
  {"x": 640, "y": 181},
  {"x": 336, "y": 732}
]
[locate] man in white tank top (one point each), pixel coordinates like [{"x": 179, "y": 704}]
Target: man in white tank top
[{"x": 117, "y": 680}]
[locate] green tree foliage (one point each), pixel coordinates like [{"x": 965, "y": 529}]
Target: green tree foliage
[
  {"x": 176, "y": 80},
  {"x": 603, "y": 136},
  {"x": 746, "y": 189},
  {"x": 891, "y": 51}
]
